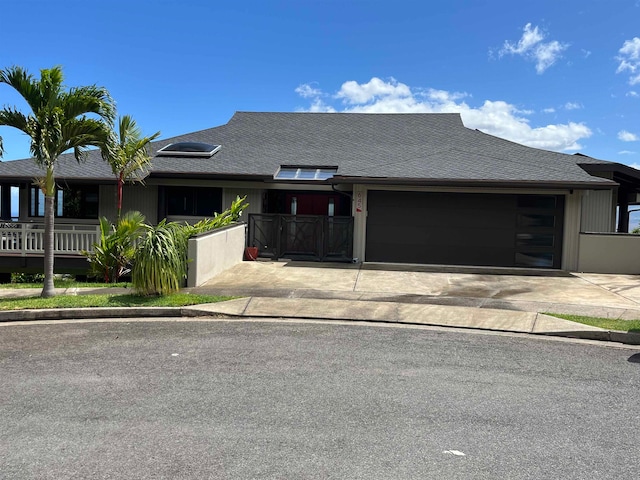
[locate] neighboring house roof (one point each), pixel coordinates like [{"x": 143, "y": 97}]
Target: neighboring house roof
[{"x": 429, "y": 148}]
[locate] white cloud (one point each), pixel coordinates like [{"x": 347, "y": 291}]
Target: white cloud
[
  {"x": 632, "y": 93},
  {"x": 549, "y": 110},
  {"x": 635, "y": 165},
  {"x": 626, "y": 152},
  {"x": 497, "y": 118},
  {"x": 627, "y": 136},
  {"x": 315, "y": 95},
  {"x": 629, "y": 59},
  {"x": 305, "y": 90},
  {"x": 572, "y": 106},
  {"x": 354, "y": 93},
  {"x": 532, "y": 47}
]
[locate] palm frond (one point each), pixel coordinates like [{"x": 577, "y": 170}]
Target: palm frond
[
  {"x": 23, "y": 83},
  {"x": 11, "y": 117},
  {"x": 128, "y": 155},
  {"x": 80, "y": 133},
  {"x": 128, "y": 130},
  {"x": 90, "y": 99},
  {"x": 50, "y": 87}
]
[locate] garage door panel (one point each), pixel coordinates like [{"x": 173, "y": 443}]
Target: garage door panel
[
  {"x": 486, "y": 256},
  {"x": 462, "y": 229}
]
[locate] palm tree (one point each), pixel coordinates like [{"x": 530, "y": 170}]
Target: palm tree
[
  {"x": 56, "y": 123},
  {"x": 112, "y": 256},
  {"x": 127, "y": 154}
]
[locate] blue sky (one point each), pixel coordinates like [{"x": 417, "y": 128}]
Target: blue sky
[{"x": 561, "y": 75}]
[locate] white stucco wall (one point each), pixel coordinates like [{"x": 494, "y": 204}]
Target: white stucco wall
[
  {"x": 213, "y": 252},
  {"x": 609, "y": 253}
]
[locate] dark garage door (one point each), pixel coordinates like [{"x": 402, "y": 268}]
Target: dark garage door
[{"x": 465, "y": 229}]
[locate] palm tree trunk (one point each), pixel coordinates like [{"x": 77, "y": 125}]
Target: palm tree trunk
[
  {"x": 48, "y": 289},
  {"x": 120, "y": 184}
]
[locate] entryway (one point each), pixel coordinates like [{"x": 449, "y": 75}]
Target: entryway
[{"x": 302, "y": 237}]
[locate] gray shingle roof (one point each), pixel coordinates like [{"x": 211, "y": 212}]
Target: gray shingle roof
[{"x": 409, "y": 147}]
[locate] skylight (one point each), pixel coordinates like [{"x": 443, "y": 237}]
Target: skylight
[
  {"x": 189, "y": 149},
  {"x": 305, "y": 173}
]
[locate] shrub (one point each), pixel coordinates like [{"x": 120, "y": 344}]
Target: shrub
[
  {"x": 27, "y": 278},
  {"x": 112, "y": 257},
  {"x": 219, "y": 220},
  {"x": 160, "y": 263}
]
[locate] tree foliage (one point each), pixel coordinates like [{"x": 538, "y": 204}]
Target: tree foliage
[
  {"x": 112, "y": 257},
  {"x": 127, "y": 154},
  {"x": 56, "y": 122},
  {"x": 160, "y": 264}
]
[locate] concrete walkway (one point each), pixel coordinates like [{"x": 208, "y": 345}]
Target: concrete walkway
[
  {"x": 513, "y": 300},
  {"x": 490, "y": 299},
  {"x": 607, "y": 296}
]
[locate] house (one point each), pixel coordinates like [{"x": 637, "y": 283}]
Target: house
[{"x": 396, "y": 188}]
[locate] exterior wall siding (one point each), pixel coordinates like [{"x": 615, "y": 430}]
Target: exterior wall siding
[
  {"x": 571, "y": 238},
  {"x": 359, "y": 212},
  {"x": 254, "y": 198},
  {"x": 598, "y": 211},
  {"x": 143, "y": 198}
]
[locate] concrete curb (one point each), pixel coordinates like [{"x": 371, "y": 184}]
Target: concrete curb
[
  {"x": 87, "y": 313},
  {"x": 604, "y": 336},
  {"x": 198, "y": 311}
]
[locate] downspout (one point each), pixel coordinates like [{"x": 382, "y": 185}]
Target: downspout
[{"x": 348, "y": 195}]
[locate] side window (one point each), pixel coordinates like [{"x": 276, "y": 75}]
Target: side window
[
  {"x": 193, "y": 201},
  {"x": 71, "y": 201}
]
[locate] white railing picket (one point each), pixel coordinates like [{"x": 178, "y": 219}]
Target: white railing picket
[{"x": 28, "y": 238}]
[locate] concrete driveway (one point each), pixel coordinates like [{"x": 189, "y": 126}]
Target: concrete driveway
[{"x": 539, "y": 291}]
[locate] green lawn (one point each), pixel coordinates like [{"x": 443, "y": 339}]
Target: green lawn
[
  {"x": 65, "y": 283},
  {"x": 606, "y": 323},
  {"x": 105, "y": 300}
]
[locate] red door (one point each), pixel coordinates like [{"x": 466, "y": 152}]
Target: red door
[{"x": 311, "y": 203}]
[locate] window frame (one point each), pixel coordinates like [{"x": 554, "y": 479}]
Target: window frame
[
  {"x": 196, "y": 208},
  {"x": 36, "y": 201}
]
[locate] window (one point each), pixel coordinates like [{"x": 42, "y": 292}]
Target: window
[
  {"x": 535, "y": 239},
  {"x": 534, "y": 220},
  {"x": 189, "y": 149},
  {"x": 539, "y": 259},
  {"x": 71, "y": 201},
  {"x": 305, "y": 173},
  {"x": 193, "y": 201}
]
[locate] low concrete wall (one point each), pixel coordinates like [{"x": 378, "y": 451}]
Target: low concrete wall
[
  {"x": 213, "y": 252},
  {"x": 609, "y": 253}
]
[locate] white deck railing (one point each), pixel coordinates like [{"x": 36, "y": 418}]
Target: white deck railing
[{"x": 28, "y": 238}]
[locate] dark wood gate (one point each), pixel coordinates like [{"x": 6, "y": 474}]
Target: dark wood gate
[{"x": 302, "y": 237}]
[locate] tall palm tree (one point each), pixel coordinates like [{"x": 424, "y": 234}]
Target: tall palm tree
[
  {"x": 56, "y": 123},
  {"x": 127, "y": 153}
]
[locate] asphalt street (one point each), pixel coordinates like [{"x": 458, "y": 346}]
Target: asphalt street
[{"x": 220, "y": 399}]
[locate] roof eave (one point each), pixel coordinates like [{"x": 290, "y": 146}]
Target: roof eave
[
  {"x": 211, "y": 176},
  {"x": 486, "y": 183}
]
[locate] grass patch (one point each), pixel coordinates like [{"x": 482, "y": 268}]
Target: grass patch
[
  {"x": 606, "y": 323},
  {"x": 105, "y": 300},
  {"x": 65, "y": 283}
]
